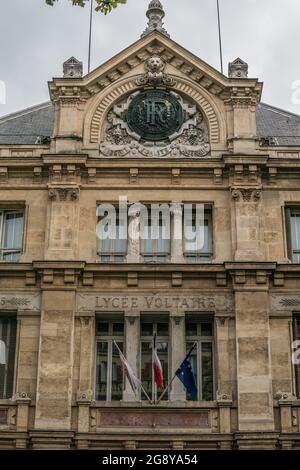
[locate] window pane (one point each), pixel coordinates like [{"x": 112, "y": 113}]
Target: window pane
[
  {"x": 118, "y": 328},
  {"x": 102, "y": 327},
  {"x": 206, "y": 329},
  {"x": 207, "y": 371},
  {"x": 101, "y": 370},
  {"x": 200, "y": 252},
  {"x": 191, "y": 329},
  {"x": 117, "y": 374},
  {"x": 162, "y": 329},
  {"x": 8, "y": 328},
  {"x": 13, "y": 230},
  {"x": 147, "y": 329},
  {"x": 295, "y": 227}
]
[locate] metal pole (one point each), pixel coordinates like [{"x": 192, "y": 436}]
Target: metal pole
[
  {"x": 90, "y": 34},
  {"x": 220, "y": 36}
]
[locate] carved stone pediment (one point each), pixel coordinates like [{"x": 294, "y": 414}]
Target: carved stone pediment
[{"x": 182, "y": 61}]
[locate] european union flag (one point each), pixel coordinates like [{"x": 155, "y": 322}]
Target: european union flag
[{"x": 187, "y": 377}]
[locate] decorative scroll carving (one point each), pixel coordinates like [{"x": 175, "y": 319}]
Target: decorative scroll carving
[
  {"x": 246, "y": 194},
  {"x": 63, "y": 194}
]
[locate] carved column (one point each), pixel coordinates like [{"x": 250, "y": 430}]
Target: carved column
[
  {"x": 248, "y": 224},
  {"x": 177, "y": 234},
  {"x": 132, "y": 341},
  {"x": 178, "y": 352},
  {"x": 62, "y": 222}
]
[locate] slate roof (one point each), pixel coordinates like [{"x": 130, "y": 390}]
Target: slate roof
[
  {"x": 27, "y": 126},
  {"x": 33, "y": 124}
]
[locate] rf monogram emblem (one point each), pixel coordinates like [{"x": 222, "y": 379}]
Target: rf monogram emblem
[{"x": 155, "y": 115}]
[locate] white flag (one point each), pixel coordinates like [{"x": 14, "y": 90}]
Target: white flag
[
  {"x": 2, "y": 352},
  {"x": 132, "y": 379}
]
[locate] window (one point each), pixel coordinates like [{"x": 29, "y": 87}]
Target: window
[
  {"x": 109, "y": 371},
  {"x": 156, "y": 240},
  {"x": 293, "y": 233},
  {"x": 297, "y": 366},
  {"x": 114, "y": 250},
  {"x": 201, "y": 333},
  {"x": 205, "y": 252},
  {"x": 11, "y": 224},
  {"x": 148, "y": 330},
  {"x": 8, "y": 328}
]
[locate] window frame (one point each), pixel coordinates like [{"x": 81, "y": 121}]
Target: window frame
[
  {"x": 159, "y": 339},
  {"x": 200, "y": 257},
  {"x": 296, "y": 337},
  {"x": 112, "y": 254},
  {"x": 155, "y": 254},
  {"x": 289, "y": 237},
  {"x": 109, "y": 338},
  {"x": 199, "y": 339},
  {"x": 11, "y": 317},
  {"x": 4, "y": 211}
]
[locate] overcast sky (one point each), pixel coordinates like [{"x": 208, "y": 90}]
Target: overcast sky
[{"x": 35, "y": 39}]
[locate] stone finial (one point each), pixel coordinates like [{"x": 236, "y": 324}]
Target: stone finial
[
  {"x": 73, "y": 68},
  {"x": 155, "y": 13},
  {"x": 238, "y": 69}
]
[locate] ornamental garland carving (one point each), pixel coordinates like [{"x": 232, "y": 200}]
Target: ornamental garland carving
[{"x": 155, "y": 122}]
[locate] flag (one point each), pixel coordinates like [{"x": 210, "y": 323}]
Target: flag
[
  {"x": 186, "y": 375},
  {"x": 131, "y": 377},
  {"x": 157, "y": 367},
  {"x": 2, "y": 353}
]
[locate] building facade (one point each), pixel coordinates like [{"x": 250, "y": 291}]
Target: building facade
[{"x": 154, "y": 125}]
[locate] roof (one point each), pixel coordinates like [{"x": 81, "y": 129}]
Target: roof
[
  {"x": 28, "y": 126},
  {"x": 32, "y": 125},
  {"x": 282, "y": 126}
]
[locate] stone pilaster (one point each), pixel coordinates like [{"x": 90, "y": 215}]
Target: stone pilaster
[
  {"x": 62, "y": 222},
  {"x": 247, "y": 224},
  {"x": 224, "y": 402},
  {"x": 176, "y": 234},
  {"x": 254, "y": 380},
  {"x": 132, "y": 342},
  {"x": 224, "y": 363},
  {"x": 178, "y": 352},
  {"x": 87, "y": 334},
  {"x": 133, "y": 245},
  {"x": 55, "y": 363}
]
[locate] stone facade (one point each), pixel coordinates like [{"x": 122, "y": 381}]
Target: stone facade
[{"x": 59, "y": 287}]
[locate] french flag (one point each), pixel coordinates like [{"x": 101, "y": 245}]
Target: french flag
[{"x": 157, "y": 368}]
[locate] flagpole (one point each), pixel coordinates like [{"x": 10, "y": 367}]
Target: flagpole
[
  {"x": 173, "y": 378},
  {"x": 90, "y": 35},
  {"x": 140, "y": 383},
  {"x": 220, "y": 36}
]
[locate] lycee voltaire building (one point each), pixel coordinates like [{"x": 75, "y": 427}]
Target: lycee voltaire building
[{"x": 154, "y": 124}]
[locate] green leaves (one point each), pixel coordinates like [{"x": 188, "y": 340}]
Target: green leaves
[{"x": 105, "y": 6}]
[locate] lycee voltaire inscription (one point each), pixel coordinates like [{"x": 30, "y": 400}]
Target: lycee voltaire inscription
[{"x": 152, "y": 302}]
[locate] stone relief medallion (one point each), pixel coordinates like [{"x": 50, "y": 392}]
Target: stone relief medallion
[
  {"x": 155, "y": 115},
  {"x": 155, "y": 124}
]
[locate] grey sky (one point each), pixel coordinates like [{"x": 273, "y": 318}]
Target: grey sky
[{"x": 35, "y": 39}]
